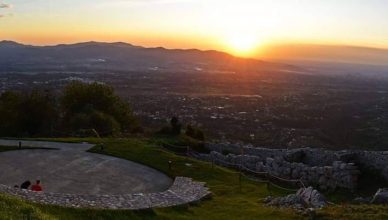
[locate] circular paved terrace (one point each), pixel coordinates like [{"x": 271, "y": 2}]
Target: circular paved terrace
[{"x": 72, "y": 170}]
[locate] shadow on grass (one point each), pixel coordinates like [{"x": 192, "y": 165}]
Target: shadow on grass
[{"x": 15, "y": 148}]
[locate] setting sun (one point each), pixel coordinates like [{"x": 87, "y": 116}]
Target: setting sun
[{"x": 242, "y": 45}]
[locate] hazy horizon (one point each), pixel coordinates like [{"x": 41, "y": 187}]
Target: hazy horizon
[
  {"x": 243, "y": 28},
  {"x": 286, "y": 52},
  {"x": 188, "y": 47}
]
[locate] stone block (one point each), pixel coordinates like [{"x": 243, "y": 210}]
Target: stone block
[{"x": 381, "y": 197}]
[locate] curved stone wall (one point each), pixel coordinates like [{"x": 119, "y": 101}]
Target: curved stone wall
[{"x": 183, "y": 191}]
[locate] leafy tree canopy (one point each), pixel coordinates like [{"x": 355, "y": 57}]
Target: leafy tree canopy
[
  {"x": 80, "y": 107},
  {"x": 95, "y": 106}
]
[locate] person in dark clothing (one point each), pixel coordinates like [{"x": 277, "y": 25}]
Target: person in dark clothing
[{"x": 25, "y": 185}]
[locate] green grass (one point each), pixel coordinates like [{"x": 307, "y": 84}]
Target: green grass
[
  {"x": 354, "y": 212},
  {"x": 12, "y": 208},
  {"x": 229, "y": 200}
]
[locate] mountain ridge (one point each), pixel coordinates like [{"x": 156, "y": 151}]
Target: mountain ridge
[
  {"x": 99, "y": 43},
  {"x": 92, "y": 56}
]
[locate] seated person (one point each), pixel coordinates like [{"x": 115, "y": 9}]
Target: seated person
[
  {"x": 37, "y": 187},
  {"x": 25, "y": 185}
]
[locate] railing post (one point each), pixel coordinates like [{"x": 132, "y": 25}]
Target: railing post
[
  {"x": 20, "y": 145},
  {"x": 242, "y": 157},
  {"x": 268, "y": 182},
  {"x": 239, "y": 180},
  {"x": 169, "y": 165}
]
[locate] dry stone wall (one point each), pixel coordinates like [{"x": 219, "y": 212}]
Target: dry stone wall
[
  {"x": 311, "y": 157},
  {"x": 375, "y": 161},
  {"x": 338, "y": 175}
]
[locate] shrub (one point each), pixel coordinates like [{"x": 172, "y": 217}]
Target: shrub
[
  {"x": 176, "y": 126},
  {"x": 195, "y": 133}
]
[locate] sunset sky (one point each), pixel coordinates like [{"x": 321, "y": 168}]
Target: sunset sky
[{"x": 242, "y": 27}]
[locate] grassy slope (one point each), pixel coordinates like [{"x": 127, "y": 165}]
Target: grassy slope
[{"x": 228, "y": 201}]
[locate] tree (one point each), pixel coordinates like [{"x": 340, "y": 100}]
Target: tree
[
  {"x": 95, "y": 106},
  {"x": 195, "y": 133},
  {"x": 176, "y": 126},
  {"x": 190, "y": 131},
  {"x": 81, "y": 107},
  {"x": 9, "y": 113},
  {"x": 27, "y": 114}
]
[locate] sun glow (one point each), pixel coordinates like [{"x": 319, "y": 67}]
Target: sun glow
[
  {"x": 242, "y": 44},
  {"x": 238, "y": 25}
]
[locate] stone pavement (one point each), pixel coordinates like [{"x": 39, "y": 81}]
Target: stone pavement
[
  {"x": 71, "y": 169},
  {"x": 183, "y": 191},
  {"x": 72, "y": 177}
]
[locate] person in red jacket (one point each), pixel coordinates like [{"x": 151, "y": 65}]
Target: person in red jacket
[{"x": 37, "y": 187}]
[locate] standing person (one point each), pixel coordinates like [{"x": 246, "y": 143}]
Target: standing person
[
  {"x": 25, "y": 185},
  {"x": 37, "y": 187}
]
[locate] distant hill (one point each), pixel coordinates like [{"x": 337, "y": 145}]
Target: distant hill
[
  {"x": 96, "y": 56},
  {"x": 349, "y": 61},
  {"x": 328, "y": 53}
]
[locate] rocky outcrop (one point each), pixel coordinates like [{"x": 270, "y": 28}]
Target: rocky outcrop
[
  {"x": 303, "y": 199},
  {"x": 381, "y": 197},
  {"x": 361, "y": 200},
  {"x": 290, "y": 201},
  {"x": 183, "y": 191},
  {"x": 311, "y": 197}
]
